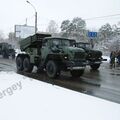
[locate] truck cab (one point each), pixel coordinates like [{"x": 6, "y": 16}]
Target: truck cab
[{"x": 93, "y": 57}]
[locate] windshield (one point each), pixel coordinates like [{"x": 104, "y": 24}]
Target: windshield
[
  {"x": 83, "y": 45},
  {"x": 66, "y": 43}
]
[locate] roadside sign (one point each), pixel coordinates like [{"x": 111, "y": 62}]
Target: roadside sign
[{"x": 92, "y": 34}]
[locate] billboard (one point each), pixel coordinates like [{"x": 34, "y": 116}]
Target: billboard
[{"x": 23, "y": 31}]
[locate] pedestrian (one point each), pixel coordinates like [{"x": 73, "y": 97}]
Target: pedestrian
[
  {"x": 118, "y": 57},
  {"x": 112, "y": 59}
]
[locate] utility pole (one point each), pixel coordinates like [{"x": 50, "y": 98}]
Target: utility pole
[
  {"x": 35, "y": 22},
  {"x": 35, "y": 15},
  {"x": 26, "y": 22}
]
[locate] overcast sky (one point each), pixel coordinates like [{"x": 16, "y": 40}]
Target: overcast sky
[{"x": 16, "y": 11}]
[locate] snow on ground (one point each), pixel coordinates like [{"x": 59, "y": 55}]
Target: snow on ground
[
  {"x": 35, "y": 100},
  {"x": 107, "y": 58}
]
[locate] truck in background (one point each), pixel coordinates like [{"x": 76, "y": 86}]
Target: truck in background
[
  {"x": 7, "y": 50},
  {"x": 93, "y": 57}
]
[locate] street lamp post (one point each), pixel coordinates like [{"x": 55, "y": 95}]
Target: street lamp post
[{"x": 35, "y": 15}]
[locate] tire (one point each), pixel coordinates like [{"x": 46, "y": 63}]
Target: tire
[
  {"x": 13, "y": 56},
  {"x": 27, "y": 66},
  {"x": 95, "y": 66},
  {"x": 19, "y": 63},
  {"x": 5, "y": 55},
  {"x": 77, "y": 73},
  {"x": 52, "y": 69}
]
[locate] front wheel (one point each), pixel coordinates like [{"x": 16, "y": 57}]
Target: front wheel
[
  {"x": 52, "y": 69},
  {"x": 95, "y": 66},
  {"x": 77, "y": 73}
]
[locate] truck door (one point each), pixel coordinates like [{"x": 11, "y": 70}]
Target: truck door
[{"x": 45, "y": 50}]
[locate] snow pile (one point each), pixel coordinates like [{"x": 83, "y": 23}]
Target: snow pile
[
  {"x": 41, "y": 101},
  {"x": 18, "y": 51},
  {"x": 107, "y": 58}
]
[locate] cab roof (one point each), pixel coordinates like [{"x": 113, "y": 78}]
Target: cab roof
[
  {"x": 82, "y": 43},
  {"x": 60, "y": 38}
]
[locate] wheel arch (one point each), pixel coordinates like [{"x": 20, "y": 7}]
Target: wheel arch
[
  {"x": 53, "y": 57},
  {"x": 23, "y": 56}
]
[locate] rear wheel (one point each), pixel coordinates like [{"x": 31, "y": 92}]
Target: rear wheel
[
  {"x": 95, "y": 66},
  {"x": 19, "y": 63},
  {"x": 5, "y": 55},
  {"x": 52, "y": 69},
  {"x": 77, "y": 73},
  {"x": 27, "y": 66}
]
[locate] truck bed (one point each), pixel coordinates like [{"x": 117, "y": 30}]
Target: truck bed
[{"x": 33, "y": 41}]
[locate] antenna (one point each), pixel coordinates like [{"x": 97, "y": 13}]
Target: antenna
[{"x": 26, "y": 22}]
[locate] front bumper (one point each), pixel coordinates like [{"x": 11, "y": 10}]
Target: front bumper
[
  {"x": 75, "y": 65},
  {"x": 92, "y": 62},
  {"x": 75, "y": 68}
]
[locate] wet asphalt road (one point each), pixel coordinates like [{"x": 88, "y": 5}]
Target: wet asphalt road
[
  {"x": 7, "y": 64},
  {"x": 103, "y": 83}
]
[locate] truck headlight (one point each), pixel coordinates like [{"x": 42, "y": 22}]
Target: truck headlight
[{"x": 65, "y": 57}]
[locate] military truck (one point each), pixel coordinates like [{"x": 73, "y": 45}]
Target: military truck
[
  {"x": 93, "y": 57},
  {"x": 50, "y": 54},
  {"x": 7, "y": 50}
]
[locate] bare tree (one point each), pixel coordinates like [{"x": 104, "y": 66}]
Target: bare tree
[
  {"x": 11, "y": 36},
  {"x": 105, "y": 31},
  {"x": 52, "y": 27},
  {"x": 74, "y": 29},
  {"x": 1, "y": 36}
]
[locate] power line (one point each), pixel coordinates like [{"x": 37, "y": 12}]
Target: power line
[
  {"x": 92, "y": 18},
  {"x": 102, "y": 17}
]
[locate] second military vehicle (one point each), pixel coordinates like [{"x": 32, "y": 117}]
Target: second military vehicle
[
  {"x": 94, "y": 57},
  {"x": 7, "y": 50},
  {"x": 50, "y": 54}
]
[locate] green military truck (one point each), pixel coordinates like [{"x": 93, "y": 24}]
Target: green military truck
[
  {"x": 93, "y": 57},
  {"x": 7, "y": 50},
  {"x": 50, "y": 54}
]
